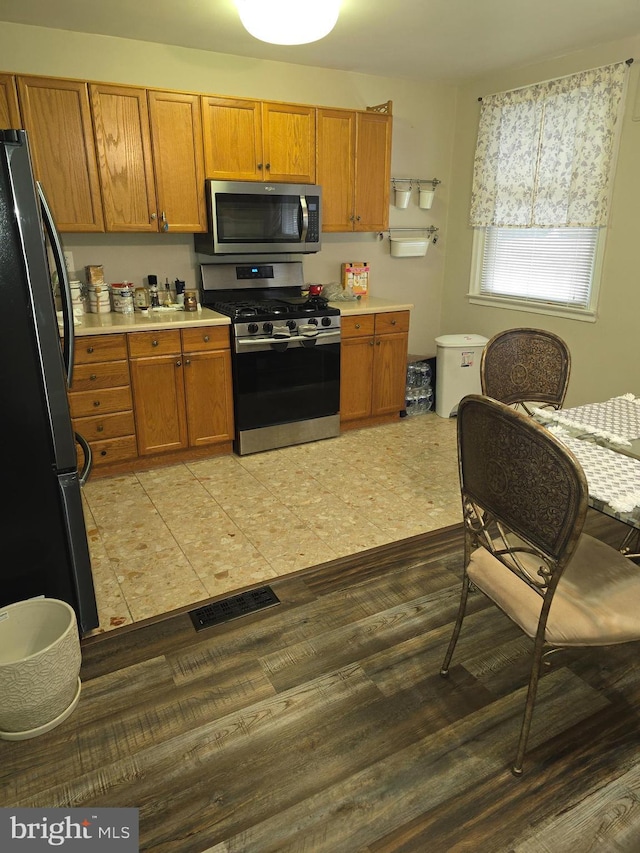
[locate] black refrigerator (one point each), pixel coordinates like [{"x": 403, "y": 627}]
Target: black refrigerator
[{"x": 44, "y": 538}]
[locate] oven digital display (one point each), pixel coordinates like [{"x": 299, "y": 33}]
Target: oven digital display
[{"x": 254, "y": 272}]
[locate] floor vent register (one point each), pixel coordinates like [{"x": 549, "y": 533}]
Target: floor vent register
[{"x": 233, "y": 607}]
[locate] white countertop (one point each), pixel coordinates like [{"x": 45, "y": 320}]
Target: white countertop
[
  {"x": 109, "y": 323},
  {"x": 106, "y": 324},
  {"x": 370, "y": 305}
]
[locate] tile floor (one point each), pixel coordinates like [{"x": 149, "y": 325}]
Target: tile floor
[{"x": 177, "y": 535}]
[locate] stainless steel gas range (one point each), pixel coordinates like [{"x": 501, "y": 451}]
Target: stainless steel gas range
[{"x": 285, "y": 353}]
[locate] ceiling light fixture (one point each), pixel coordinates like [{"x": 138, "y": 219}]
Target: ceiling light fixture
[{"x": 288, "y": 21}]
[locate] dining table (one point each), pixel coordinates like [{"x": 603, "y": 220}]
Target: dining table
[{"x": 605, "y": 439}]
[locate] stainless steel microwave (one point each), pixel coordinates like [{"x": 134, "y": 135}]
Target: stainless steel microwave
[{"x": 246, "y": 217}]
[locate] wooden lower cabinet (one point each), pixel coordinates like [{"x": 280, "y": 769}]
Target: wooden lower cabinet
[
  {"x": 100, "y": 398},
  {"x": 181, "y": 382},
  {"x": 373, "y": 366}
]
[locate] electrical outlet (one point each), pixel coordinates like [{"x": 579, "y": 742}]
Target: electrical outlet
[{"x": 68, "y": 259}]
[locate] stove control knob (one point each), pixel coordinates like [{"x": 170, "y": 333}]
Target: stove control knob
[
  {"x": 252, "y": 328},
  {"x": 267, "y": 328},
  {"x": 291, "y": 324},
  {"x": 326, "y": 321},
  {"x": 313, "y": 321}
]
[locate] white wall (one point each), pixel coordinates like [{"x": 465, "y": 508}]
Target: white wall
[
  {"x": 423, "y": 134},
  {"x": 605, "y": 354}
]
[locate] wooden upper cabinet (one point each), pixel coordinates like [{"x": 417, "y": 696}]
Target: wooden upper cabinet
[
  {"x": 289, "y": 143},
  {"x": 373, "y": 171},
  {"x": 176, "y": 141},
  {"x": 258, "y": 141},
  {"x": 57, "y": 116},
  {"x": 232, "y": 139},
  {"x": 336, "y": 165},
  {"x": 354, "y": 169},
  {"x": 123, "y": 143},
  {"x": 9, "y": 112}
]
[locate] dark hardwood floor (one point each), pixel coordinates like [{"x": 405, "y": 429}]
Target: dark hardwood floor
[{"x": 322, "y": 724}]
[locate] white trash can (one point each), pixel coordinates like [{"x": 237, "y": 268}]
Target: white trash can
[
  {"x": 40, "y": 662},
  {"x": 457, "y": 370}
]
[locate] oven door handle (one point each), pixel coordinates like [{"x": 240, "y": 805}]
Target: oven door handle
[{"x": 248, "y": 344}]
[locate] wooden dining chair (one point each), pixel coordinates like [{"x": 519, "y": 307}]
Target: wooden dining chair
[
  {"x": 526, "y": 366},
  {"x": 524, "y": 500}
]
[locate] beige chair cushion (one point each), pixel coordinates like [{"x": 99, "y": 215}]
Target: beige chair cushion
[{"x": 597, "y": 601}]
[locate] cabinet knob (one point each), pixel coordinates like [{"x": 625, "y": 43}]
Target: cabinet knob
[
  {"x": 96, "y": 404},
  {"x": 187, "y": 361},
  {"x": 178, "y": 363},
  {"x": 370, "y": 343},
  {"x": 153, "y": 217},
  {"x": 100, "y": 428},
  {"x": 357, "y": 325},
  {"x": 259, "y": 166},
  {"x": 154, "y": 343},
  {"x": 103, "y": 453},
  {"x": 93, "y": 377},
  {"x": 377, "y": 343},
  {"x": 89, "y": 349},
  {"x": 205, "y": 338},
  {"x": 267, "y": 165},
  {"x": 393, "y": 322}
]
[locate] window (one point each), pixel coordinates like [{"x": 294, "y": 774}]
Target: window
[
  {"x": 541, "y": 185},
  {"x": 542, "y": 270}
]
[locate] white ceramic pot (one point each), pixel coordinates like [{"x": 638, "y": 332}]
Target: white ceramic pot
[{"x": 39, "y": 666}]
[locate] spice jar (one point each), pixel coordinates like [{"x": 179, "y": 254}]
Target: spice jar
[{"x": 190, "y": 300}]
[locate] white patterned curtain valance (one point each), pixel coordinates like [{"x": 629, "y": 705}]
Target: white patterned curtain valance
[{"x": 544, "y": 152}]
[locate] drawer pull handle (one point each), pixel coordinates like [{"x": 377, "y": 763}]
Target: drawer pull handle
[
  {"x": 96, "y": 403},
  {"x": 93, "y": 377}
]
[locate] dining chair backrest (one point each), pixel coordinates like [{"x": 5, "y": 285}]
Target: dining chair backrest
[{"x": 523, "y": 366}]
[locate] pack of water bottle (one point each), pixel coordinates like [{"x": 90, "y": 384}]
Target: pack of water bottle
[{"x": 419, "y": 392}]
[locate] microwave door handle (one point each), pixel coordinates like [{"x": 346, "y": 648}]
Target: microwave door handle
[
  {"x": 305, "y": 218},
  {"x": 63, "y": 280}
]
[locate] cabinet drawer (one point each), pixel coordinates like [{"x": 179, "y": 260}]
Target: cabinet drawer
[
  {"x": 113, "y": 450},
  {"x": 359, "y": 325},
  {"x": 100, "y": 348},
  {"x": 205, "y": 338},
  {"x": 392, "y": 321},
  {"x": 103, "y": 401},
  {"x": 145, "y": 344},
  {"x": 105, "y": 426},
  {"x": 107, "y": 374}
]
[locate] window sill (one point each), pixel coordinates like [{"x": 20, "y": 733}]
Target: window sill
[{"x": 584, "y": 314}]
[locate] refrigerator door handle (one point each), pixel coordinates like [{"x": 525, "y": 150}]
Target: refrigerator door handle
[
  {"x": 63, "y": 279},
  {"x": 83, "y": 475}
]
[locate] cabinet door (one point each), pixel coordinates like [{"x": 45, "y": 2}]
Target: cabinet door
[
  {"x": 207, "y": 380},
  {"x": 9, "y": 113},
  {"x": 232, "y": 131},
  {"x": 335, "y": 167},
  {"x": 372, "y": 171},
  {"x": 356, "y": 370},
  {"x": 159, "y": 404},
  {"x": 289, "y": 143},
  {"x": 123, "y": 143},
  {"x": 176, "y": 139},
  {"x": 389, "y": 372},
  {"x": 57, "y": 116}
]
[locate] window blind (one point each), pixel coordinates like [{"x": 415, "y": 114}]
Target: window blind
[{"x": 543, "y": 265}]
